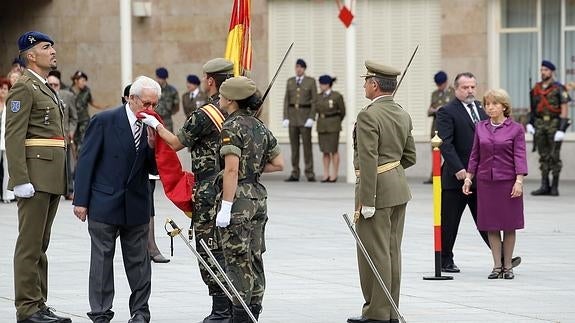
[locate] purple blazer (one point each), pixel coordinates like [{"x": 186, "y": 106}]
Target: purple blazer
[{"x": 500, "y": 154}]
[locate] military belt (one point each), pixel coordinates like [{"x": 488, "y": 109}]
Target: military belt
[
  {"x": 297, "y": 106},
  {"x": 382, "y": 168},
  {"x": 44, "y": 142},
  {"x": 323, "y": 115}
]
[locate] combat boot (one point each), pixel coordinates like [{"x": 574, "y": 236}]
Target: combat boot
[
  {"x": 240, "y": 315},
  {"x": 554, "y": 191},
  {"x": 544, "y": 189},
  {"x": 221, "y": 310}
]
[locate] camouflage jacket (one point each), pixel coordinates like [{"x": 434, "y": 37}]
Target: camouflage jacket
[
  {"x": 169, "y": 102},
  {"x": 203, "y": 138},
  {"x": 248, "y": 138},
  {"x": 83, "y": 100},
  {"x": 548, "y": 100}
]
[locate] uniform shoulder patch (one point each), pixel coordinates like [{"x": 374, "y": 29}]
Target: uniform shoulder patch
[{"x": 15, "y": 106}]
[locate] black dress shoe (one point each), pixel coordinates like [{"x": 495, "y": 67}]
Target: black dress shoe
[
  {"x": 60, "y": 319},
  {"x": 363, "y": 319},
  {"x": 394, "y": 321},
  {"x": 39, "y": 317},
  {"x": 515, "y": 261},
  {"x": 332, "y": 180},
  {"x": 326, "y": 180},
  {"x": 429, "y": 181},
  {"x": 452, "y": 268},
  {"x": 137, "y": 318},
  {"x": 159, "y": 258},
  {"x": 291, "y": 179},
  {"x": 311, "y": 179}
]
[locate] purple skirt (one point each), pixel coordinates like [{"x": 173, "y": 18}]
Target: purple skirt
[{"x": 496, "y": 210}]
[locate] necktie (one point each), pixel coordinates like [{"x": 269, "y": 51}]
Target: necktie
[
  {"x": 138, "y": 133},
  {"x": 298, "y": 80},
  {"x": 474, "y": 116}
]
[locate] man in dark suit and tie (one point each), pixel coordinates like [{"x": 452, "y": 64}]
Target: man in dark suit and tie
[
  {"x": 456, "y": 127},
  {"x": 112, "y": 192}
]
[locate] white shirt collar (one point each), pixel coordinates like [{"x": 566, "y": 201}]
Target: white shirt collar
[
  {"x": 38, "y": 76},
  {"x": 195, "y": 92},
  {"x": 381, "y": 96},
  {"x": 328, "y": 92},
  {"x": 131, "y": 117}
]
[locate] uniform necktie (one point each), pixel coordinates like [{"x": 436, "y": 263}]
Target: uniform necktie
[
  {"x": 138, "y": 133},
  {"x": 474, "y": 116},
  {"x": 298, "y": 80}
]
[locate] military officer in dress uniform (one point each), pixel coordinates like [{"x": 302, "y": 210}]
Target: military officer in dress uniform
[
  {"x": 548, "y": 123},
  {"x": 440, "y": 97},
  {"x": 249, "y": 150},
  {"x": 299, "y": 114},
  {"x": 331, "y": 111},
  {"x": 201, "y": 133},
  {"x": 36, "y": 153},
  {"x": 383, "y": 149},
  {"x": 194, "y": 97},
  {"x": 169, "y": 101}
]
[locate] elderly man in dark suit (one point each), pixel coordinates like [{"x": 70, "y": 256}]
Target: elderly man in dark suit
[
  {"x": 112, "y": 192},
  {"x": 456, "y": 127}
]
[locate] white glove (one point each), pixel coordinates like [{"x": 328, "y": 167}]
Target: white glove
[
  {"x": 285, "y": 123},
  {"x": 225, "y": 214},
  {"x": 24, "y": 190},
  {"x": 308, "y": 123},
  {"x": 367, "y": 211},
  {"x": 530, "y": 129},
  {"x": 151, "y": 121},
  {"x": 559, "y": 135}
]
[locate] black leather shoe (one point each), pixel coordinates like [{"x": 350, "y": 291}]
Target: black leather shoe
[
  {"x": 159, "y": 258},
  {"x": 39, "y": 317},
  {"x": 137, "y": 318},
  {"x": 291, "y": 179},
  {"x": 429, "y": 181},
  {"x": 60, "y": 319},
  {"x": 515, "y": 261},
  {"x": 363, "y": 319},
  {"x": 394, "y": 321},
  {"x": 311, "y": 179},
  {"x": 452, "y": 268}
]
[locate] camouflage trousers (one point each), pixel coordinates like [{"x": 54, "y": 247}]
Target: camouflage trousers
[
  {"x": 204, "y": 228},
  {"x": 549, "y": 150},
  {"x": 79, "y": 135},
  {"x": 243, "y": 242}
]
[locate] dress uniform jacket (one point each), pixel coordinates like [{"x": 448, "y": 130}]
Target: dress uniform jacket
[
  {"x": 35, "y": 112},
  {"x": 190, "y": 103},
  {"x": 376, "y": 146},
  {"x": 300, "y": 100},
  {"x": 331, "y": 111}
]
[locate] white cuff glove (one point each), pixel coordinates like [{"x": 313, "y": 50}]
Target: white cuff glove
[
  {"x": 559, "y": 135},
  {"x": 24, "y": 190},
  {"x": 285, "y": 123},
  {"x": 308, "y": 123},
  {"x": 151, "y": 121},
  {"x": 530, "y": 129},
  {"x": 367, "y": 211},
  {"x": 224, "y": 215}
]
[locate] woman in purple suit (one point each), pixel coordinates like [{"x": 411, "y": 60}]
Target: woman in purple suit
[{"x": 498, "y": 163}]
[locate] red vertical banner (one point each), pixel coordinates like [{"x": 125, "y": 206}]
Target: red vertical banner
[{"x": 239, "y": 43}]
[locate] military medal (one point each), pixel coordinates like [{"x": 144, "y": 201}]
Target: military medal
[
  {"x": 47, "y": 116},
  {"x": 330, "y": 102}
]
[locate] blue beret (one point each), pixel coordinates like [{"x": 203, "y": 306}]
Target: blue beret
[
  {"x": 548, "y": 64},
  {"x": 325, "y": 79},
  {"x": 301, "y": 63},
  {"x": 31, "y": 38},
  {"x": 193, "y": 79},
  {"x": 162, "y": 73},
  {"x": 440, "y": 77}
]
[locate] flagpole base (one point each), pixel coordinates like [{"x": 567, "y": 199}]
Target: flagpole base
[{"x": 438, "y": 278}]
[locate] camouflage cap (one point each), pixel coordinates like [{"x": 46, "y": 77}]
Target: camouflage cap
[
  {"x": 218, "y": 66},
  {"x": 379, "y": 70},
  {"x": 238, "y": 88}
]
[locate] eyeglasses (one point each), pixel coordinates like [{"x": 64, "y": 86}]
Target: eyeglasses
[{"x": 148, "y": 104}]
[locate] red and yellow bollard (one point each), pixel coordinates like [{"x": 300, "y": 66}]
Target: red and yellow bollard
[{"x": 436, "y": 170}]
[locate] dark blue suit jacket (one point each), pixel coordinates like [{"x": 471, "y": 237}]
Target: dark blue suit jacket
[
  {"x": 111, "y": 176},
  {"x": 456, "y": 129}
]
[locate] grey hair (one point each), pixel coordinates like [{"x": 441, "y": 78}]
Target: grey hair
[
  {"x": 144, "y": 82},
  {"x": 385, "y": 84},
  {"x": 466, "y": 74}
]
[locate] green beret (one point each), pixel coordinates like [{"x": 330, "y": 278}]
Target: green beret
[
  {"x": 378, "y": 70},
  {"x": 238, "y": 88},
  {"x": 218, "y": 66}
]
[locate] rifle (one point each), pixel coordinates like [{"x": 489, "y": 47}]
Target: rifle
[{"x": 531, "y": 112}]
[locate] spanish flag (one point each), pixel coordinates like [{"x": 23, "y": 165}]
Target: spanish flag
[{"x": 239, "y": 45}]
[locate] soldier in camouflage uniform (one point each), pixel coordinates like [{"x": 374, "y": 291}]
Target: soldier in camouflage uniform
[
  {"x": 249, "y": 149},
  {"x": 440, "y": 97},
  {"x": 169, "y": 103},
  {"x": 83, "y": 101},
  {"x": 202, "y": 136},
  {"x": 548, "y": 122}
]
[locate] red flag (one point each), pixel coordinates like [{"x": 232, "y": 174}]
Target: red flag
[
  {"x": 239, "y": 44},
  {"x": 178, "y": 184}
]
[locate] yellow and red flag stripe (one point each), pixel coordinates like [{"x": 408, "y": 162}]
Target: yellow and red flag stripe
[{"x": 239, "y": 44}]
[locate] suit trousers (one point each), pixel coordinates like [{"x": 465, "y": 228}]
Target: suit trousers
[
  {"x": 453, "y": 204},
  {"x": 381, "y": 235},
  {"x": 294, "y": 134},
  {"x": 134, "y": 240},
  {"x": 35, "y": 218}
]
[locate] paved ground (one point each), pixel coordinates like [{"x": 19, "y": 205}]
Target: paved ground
[{"x": 311, "y": 267}]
